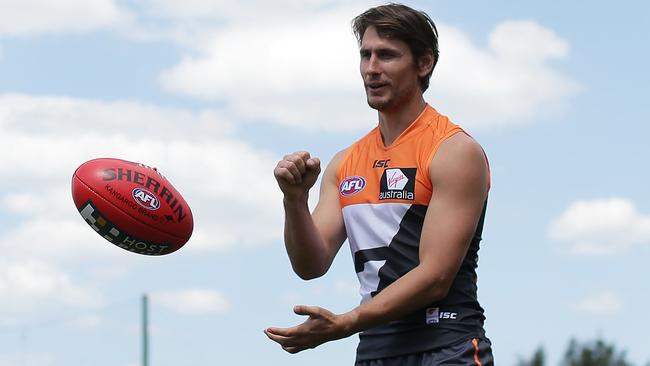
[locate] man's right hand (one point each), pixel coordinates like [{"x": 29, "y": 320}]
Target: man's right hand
[{"x": 296, "y": 173}]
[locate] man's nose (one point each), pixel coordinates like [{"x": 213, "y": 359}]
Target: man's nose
[{"x": 373, "y": 65}]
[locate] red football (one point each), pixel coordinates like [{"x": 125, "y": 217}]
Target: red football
[{"x": 132, "y": 205}]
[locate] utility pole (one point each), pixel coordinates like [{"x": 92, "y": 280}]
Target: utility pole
[{"x": 145, "y": 331}]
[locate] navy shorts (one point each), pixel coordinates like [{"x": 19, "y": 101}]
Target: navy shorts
[{"x": 474, "y": 352}]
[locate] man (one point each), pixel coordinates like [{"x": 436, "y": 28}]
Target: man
[{"x": 410, "y": 198}]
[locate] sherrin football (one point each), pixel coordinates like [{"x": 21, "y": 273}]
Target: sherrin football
[{"x": 132, "y": 206}]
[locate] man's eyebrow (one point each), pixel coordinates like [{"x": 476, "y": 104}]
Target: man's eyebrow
[
  {"x": 385, "y": 50},
  {"x": 388, "y": 50},
  {"x": 379, "y": 49}
]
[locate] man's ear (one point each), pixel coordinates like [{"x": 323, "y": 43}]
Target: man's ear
[{"x": 425, "y": 63}]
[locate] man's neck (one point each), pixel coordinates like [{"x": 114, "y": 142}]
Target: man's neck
[{"x": 393, "y": 122}]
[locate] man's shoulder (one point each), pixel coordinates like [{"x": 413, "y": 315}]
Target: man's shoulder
[
  {"x": 461, "y": 142},
  {"x": 459, "y": 155}
]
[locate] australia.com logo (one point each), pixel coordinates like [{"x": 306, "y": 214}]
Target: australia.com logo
[
  {"x": 352, "y": 185},
  {"x": 398, "y": 184}
]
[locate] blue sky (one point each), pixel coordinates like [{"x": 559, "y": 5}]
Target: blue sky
[{"x": 214, "y": 93}]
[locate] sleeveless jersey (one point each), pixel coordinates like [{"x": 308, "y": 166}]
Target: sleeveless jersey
[{"x": 384, "y": 193}]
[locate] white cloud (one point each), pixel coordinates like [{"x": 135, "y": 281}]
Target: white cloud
[
  {"x": 512, "y": 81},
  {"x": 196, "y": 10},
  {"x": 300, "y": 71},
  {"x": 604, "y": 303},
  {"x": 55, "y": 239},
  {"x": 601, "y": 226},
  {"x": 193, "y": 301},
  {"x": 58, "y": 116},
  {"x": 300, "y": 68},
  {"x": 295, "y": 63},
  {"x": 29, "y": 17},
  {"x": 527, "y": 40},
  {"x": 29, "y": 284}
]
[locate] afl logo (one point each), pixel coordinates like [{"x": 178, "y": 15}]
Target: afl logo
[
  {"x": 146, "y": 199},
  {"x": 352, "y": 185}
]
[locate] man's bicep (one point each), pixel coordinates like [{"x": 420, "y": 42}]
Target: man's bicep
[{"x": 460, "y": 179}]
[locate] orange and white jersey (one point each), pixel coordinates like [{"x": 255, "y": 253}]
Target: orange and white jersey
[
  {"x": 384, "y": 193},
  {"x": 378, "y": 185}
]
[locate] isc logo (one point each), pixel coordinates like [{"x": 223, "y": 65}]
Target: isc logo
[
  {"x": 434, "y": 315},
  {"x": 448, "y": 315},
  {"x": 145, "y": 199},
  {"x": 380, "y": 163},
  {"x": 352, "y": 185}
]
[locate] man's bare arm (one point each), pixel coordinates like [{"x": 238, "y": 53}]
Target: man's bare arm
[{"x": 311, "y": 240}]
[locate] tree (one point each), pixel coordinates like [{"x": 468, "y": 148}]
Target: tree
[
  {"x": 537, "y": 359},
  {"x": 595, "y": 353}
]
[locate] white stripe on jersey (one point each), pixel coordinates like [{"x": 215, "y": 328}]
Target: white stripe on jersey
[
  {"x": 369, "y": 279},
  {"x": 368, "y": 226}
]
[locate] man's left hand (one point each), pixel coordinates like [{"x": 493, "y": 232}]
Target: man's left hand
[{"x": 321, "y": 326}]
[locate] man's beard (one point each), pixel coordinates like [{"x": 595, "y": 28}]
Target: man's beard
[
  {"x": 396, "y": 99},
  {"x": 378, "y": 105}
]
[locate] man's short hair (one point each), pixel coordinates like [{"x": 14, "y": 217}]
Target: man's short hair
[{"x": 398, "y": 21}]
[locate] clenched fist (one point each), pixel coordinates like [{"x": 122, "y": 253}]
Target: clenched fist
[{"x": 296, "y": 173}]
